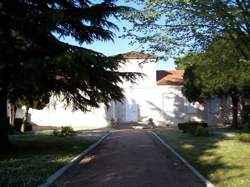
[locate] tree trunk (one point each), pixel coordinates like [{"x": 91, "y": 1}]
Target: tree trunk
[
  {"x": 243, "y": 111},
  {"x": 4, "y": 140},
  {"x": 235, "y": 101},
  {"x": 226, "y": 111},
  {"x": 12, "y": 115},
  {"x": 25, "y": 119}
]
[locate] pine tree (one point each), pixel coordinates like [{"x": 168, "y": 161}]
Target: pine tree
[{"x": 30, "y": 32}]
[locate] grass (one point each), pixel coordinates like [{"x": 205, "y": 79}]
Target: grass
[
  {"x": 224, "y": 161},
  {"x": 36, "y": 156},
  {"x": 245, "y": 137}
]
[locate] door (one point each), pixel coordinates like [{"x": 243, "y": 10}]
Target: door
[
  {"x": 169, "y": 103},
  {"x": 131, "y": 110}
]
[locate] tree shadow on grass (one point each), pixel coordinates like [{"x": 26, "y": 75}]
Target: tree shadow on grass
[
  {"x": 211, "y": 155},
  {"x": 29, "y": 170},
  {"x": 34, "y": 157},
  {"x": 44, "y": 144}
]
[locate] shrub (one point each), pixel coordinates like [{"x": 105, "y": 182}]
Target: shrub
[
  {"x": 245, "y": 137},
  {"x": 191, "y": 126},
  {"x": 65, "y": 131},
  {"x": 201, "y": 131},
  {"x": 183, "y": 127}
]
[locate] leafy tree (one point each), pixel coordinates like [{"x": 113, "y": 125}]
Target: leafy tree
[
  {"x": 186, "y": 61},
  {"x": 80, "y": 77},
  {"x": 194, "y": 26},
  {"x": 218, "y": 72},
  {"x": 181, "y": 26}
]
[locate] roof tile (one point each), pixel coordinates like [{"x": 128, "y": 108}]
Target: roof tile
[{"x": 174, "y": 77}]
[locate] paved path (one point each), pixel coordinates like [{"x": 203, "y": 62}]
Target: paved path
[{"x": 129, "y": 158}]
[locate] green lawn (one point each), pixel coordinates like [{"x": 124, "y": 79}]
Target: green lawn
[
  {"x": 36, "y": 156},
  {"x": 224, "y": 161}
]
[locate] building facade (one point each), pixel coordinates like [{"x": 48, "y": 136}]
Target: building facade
[{"x": 157, "y": 95}]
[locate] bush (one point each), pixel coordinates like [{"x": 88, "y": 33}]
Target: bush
[
  {"x": 201, "y": 131},
  {"x": 65, "y": 131},
  {"x": 183, "y": 127},
  {"x": 191, "y": 126},
  {"x": 245, "y": 137}
]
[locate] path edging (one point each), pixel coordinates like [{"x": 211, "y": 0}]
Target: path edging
[
  {"x": 201, "y": 177},
  {"x": 52, "y": 178}
]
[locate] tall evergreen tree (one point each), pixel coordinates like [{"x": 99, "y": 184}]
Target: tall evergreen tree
[
  {"x": 28, "y": 30},
  {"x": 217, "y": 72}
]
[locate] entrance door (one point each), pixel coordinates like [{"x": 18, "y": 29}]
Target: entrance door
[
  {"x": 131, "y": 111},
  {"x": 169, "y": 103}
]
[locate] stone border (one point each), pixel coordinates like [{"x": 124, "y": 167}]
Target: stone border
[
  {"x": 52, "y": 178},
  {"x": 201, "y": 177}
]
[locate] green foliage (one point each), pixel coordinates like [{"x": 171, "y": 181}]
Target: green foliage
[
  {"x": 224, "y": 161},
  {"x": 219, "y": 71},
  {"x": 178, "y": 27},
  {"x": 245, "y": 137},
  {"x": 35, "y": 63},
  {"x": 186, "y": 61},
  {"x": 30, "y": 86},
  {"x": 65, "y": 131},
  {"x": 75, "y": 78},
  {"x": 192, "y": 127},
  {"x": 201, "y": 131},
  {"x": 35, "y": 157},
  {"x": 40, "y": 64}
]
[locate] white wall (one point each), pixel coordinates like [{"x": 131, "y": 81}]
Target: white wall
[
  {"x": 148, "y": 68},
  {"x": 19, "y": 112},
  {"x": 97, "y": 118},
  {"x": 59, "y": 116},
  {"x": 165, "y": 104}
]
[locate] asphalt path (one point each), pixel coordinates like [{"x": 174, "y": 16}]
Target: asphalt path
[{"x": 129, "y": 158}]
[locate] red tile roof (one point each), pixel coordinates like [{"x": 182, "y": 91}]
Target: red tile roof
[
  {"x": 174, "y": 77},
  {"x": 138, "y": 55}
]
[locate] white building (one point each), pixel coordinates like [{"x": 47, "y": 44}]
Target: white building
[{"x": 158, "y": 96}]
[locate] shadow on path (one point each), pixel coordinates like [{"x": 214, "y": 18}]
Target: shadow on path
[{"x": 129, "y": 158}]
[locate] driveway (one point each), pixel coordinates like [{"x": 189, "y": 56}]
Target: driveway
[{"x": 129, "y": 158}]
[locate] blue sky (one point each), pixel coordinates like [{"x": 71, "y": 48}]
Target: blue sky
[{"x": 119, "y": 45}]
